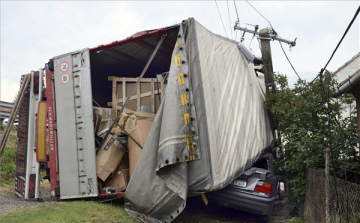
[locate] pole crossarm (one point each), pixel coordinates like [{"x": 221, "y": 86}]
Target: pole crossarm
[{"x": 271, "y": 35}]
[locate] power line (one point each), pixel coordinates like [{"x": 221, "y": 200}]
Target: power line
[
  {"x": 327, "y": 99},
  {"x": 260, "y": 14},
  {"x": 275, "y": 34},
  {"x": 337, "y": 46},
  {"x": 238, "y": 20},
  {"x": 346, "y": 31},
  {"x": 221, "y": 18},
  {"x": 231, "y": 32},
  {"x": 289, "y": 60},
  {"x": 237, "y": 15}
]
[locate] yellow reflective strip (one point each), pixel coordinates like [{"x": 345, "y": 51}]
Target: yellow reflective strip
[
  {"x": 177, "y": 60},
  {"x": 188, "y": 142},
  {"x": 176, "y": 44},
  {"x": 187, "y": 118},
  {"x": 41, "y": 131},
  {"x": 183, "y": 99},
  {"x": 205, "y": 199},
  {"x": 181, "y": 78}
]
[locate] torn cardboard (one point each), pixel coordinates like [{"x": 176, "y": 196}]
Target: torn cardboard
[
  {"x": 109, "y": 157},
  {"x": 121, "y": 124},
  {"x": 130, "y": 124},
  {"x": 119, "y": 180}
]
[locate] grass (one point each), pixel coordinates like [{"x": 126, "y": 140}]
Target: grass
[
  {"x": 7, "y": 159},
  {"x": 76, "y": 211}
]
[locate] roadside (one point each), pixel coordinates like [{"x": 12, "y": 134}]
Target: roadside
[
  {"x": 9, "y": 202},
  {"x": 13, "y": 209}
]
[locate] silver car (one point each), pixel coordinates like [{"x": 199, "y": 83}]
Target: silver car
[{"x": 255, "y": 191}]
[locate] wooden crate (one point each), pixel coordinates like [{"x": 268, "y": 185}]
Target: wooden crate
[{"x": 149, "y": 92}]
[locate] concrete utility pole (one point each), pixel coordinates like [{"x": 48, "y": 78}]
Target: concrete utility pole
[{"x": 265, "y": 35}]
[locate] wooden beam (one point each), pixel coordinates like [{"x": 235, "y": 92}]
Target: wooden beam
[
  {"x": 114, "y": 91},
  {"x": 14, "y": 112},
  {"x": 138, "y": 97},
  {"x": 124, "y": 88},
  {"x": 152, "y": 96},
  {"x": 110, "y": 78},
  {"x": 134, "y": 97}
]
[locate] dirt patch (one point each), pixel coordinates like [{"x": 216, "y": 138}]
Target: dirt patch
[
  {"x": 9, "y": 202},
  {"x": 6, "y": 190}
]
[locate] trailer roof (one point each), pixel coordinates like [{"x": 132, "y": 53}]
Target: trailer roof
[
  {"x": 136, "y": 37},
  {"x": 128, "y": 57}
]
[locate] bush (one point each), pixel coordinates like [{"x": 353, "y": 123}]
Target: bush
[{"x": 308, "y": 123}]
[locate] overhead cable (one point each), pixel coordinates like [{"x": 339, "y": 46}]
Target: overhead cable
[
  {"x": 289, "y": 61},
  {"x": 221, "y": 18},
  {"x": 238, "y": 20},
  {"x": 237, "y": 14},
  {"x": 337, "y": 46},
  {"x": 231, "y": 32},
  {"x": 260, "y": 14},
  {"x": 346, "y": 31},
  {"x": 275, "y": 34}
]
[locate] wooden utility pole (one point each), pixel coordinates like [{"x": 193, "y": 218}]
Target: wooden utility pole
[
  {"x": 265, "y": 35},
  {"x": 267, "y": 59}
]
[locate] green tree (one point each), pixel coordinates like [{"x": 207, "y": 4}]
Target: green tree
[{"x": 309, "y": 121}]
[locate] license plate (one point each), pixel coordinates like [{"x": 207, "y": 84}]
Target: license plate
[{"x": 240, "y": 183}]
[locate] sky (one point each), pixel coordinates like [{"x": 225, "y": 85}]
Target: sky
[{"x": 34, "y": 32}]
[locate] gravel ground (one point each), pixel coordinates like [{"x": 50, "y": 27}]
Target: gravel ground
[{"x": 9, "y": 202}]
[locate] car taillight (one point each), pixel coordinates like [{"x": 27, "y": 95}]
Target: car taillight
[{"x": 263, "y": 187}]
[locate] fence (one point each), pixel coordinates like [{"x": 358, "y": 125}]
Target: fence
[{"x": 343, "y": 199}]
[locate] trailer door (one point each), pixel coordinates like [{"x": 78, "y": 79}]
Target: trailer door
[{"x": 75, "y": 129}]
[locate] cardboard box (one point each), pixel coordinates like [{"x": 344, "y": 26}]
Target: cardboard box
[
  {"x": 106, "y": 116},
  {"x": 144, "y": 114},
  {"x": 117, "y": 129},
  {"x": 139, "y": 133},
  {"x": 119, "y": 180},
  {"x": 124, "y": 164},
  {"x": 130, "y": 124},
  {"x": 109, "y": 157},
  {"x": 132, "y": 119}
]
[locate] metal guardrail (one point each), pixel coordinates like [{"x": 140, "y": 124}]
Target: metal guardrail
[{"x": 5, "y": 109}]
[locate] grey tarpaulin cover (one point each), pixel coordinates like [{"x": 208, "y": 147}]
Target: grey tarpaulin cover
[{"x": 211, "y": 126}]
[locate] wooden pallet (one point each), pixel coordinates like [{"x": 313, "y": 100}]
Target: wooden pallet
[{"x": 121, "y": 86}]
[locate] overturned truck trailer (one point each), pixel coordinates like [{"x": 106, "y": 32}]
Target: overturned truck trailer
[{"x": 211, "y": 124}]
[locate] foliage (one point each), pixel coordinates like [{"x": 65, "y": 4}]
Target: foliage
[
  {"x": 1, "y": 126},
  {"x": 308, "y": 121},
  {"x": 7, "y": 160}
]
